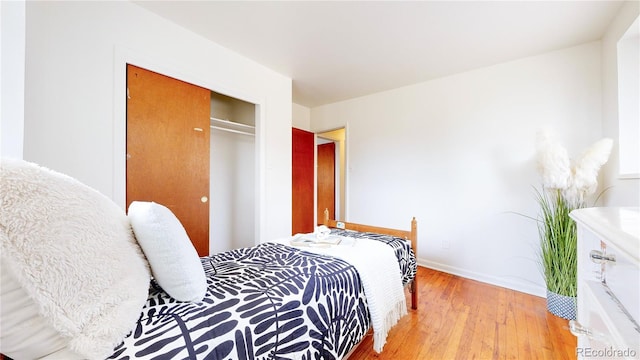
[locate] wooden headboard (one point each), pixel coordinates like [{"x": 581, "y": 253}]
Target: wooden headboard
[{"x": 409, "y": 235}]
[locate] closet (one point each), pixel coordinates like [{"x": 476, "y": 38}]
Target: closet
[
  {"x": 192, "y": 150},
  {"x": 233, "y": 149}
]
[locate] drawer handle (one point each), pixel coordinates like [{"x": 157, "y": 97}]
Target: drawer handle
[
  {"x": 599, "y": 258},
  {"x": 577, "y": 329}
]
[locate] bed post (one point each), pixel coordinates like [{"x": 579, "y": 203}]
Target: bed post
[
  {"x": 325, "y": 220},
  {"x": 414, "y": 246}
]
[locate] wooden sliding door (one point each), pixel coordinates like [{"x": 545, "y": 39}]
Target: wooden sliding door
[{"x": 168, "y": 148}]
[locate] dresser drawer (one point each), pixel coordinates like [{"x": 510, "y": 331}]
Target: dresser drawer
[
  {"x": 622, "y": 276},
  {"x": 611, "y": 332}
]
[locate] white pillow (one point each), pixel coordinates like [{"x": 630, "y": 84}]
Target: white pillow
[
  {"x": 174, "y": 261},
  {"x": 69, "y": 262},
  {"x": 25, "y": 333}
]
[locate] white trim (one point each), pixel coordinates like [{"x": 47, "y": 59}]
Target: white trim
[
  {"x": 521, "y": 286},
  {"x": 315, "y": 179},
  {"x": 629, "y": 176},
  {"x": 347, "y": 170},
  {"x": 260, "y": 214}
]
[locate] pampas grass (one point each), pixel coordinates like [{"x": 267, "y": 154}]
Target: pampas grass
[
  {"x": 576, "y": 180},
  {"x": 558, "y": 243},
  {"x": 565, "y": 187},
  {"x": 553, "y": 162},
  {"x": 584, "y": 173}
]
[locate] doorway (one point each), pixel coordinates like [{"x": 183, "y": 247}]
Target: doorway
[{"x": 331, "y": 176}]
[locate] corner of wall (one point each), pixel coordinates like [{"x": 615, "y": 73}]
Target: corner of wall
[{"x": 301, "y": 117}]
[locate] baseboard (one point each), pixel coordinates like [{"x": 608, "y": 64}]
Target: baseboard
[{"x": 522, "y": 286}]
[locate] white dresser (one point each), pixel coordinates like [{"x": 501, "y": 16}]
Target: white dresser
[{"x": 608, "y": 315}]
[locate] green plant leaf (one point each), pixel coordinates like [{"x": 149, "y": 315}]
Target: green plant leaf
[{"x": 558, "y": 243}]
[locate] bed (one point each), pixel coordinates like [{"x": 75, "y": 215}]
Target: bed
[
  {"x": 406, "y": 258},
  {"x": 265, "y": 302},
  {"x": 271, "y": 301},
  {"x": 77, "y": 284}
]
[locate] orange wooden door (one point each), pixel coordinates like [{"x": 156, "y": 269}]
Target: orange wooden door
[
  {"x": 302, "y": 184},
  {"x": 326, "y": 181},
  {"x": 168, "y": 148}
]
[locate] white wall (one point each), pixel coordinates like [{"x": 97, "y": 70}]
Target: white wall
[
  {"x": 458, "y": 154},
  {"x": 75, "y": 95},
  {"x": 623, "y": 191},
  {"x": 12, "y": 50},
  {"x": 301, "y": 117},
  {"x": 232, "y": 183}
]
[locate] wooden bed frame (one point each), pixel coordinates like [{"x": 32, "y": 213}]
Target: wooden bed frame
[{"x": 409, "y": 235}]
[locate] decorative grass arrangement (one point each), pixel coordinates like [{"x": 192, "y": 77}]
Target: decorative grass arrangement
[
  {"x": 566, "y": 185},
  {"x": 558, "y": 244}
]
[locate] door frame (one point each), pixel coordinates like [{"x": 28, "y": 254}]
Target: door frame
[{"x": 124, "y": 56}]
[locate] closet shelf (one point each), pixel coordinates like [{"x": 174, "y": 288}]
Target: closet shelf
[{"x": 231, "y": 126}]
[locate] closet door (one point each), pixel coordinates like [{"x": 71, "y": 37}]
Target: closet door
[
  {"x": 168, "y": 148},
  {"x": 302, "y": 181}
]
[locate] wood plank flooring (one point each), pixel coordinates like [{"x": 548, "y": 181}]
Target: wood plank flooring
[{"x": 458, "y": 318}]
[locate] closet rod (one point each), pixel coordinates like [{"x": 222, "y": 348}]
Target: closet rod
[{"x": 231, "y": 130}]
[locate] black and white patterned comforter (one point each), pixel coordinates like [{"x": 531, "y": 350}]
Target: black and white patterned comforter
[
  {"x": 402, "y": 248},
  {"x": 265, "y": 302},
  {"x": 270, "y": 301}
]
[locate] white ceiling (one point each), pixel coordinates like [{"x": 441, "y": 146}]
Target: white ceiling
[{"x": 337, "y": 50}]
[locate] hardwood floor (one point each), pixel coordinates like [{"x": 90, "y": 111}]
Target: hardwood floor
[{"x": 458, "y": 318}]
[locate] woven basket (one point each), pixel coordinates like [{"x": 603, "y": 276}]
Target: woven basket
[{"x": 561, "y": 306}]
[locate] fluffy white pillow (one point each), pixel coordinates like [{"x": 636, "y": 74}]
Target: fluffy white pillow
[
  {"x": 174, "y": 261},
  {"x": 69, "y": 261},
  {"x": 25, "y": 333}
]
